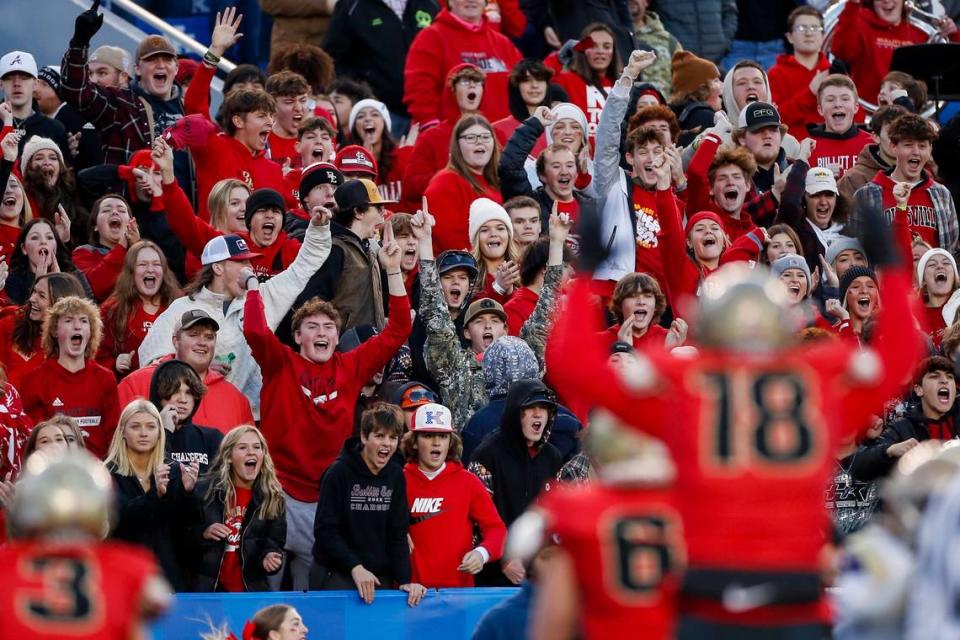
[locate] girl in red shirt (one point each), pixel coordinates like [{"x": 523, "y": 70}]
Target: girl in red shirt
[
  {"x": 113, "y": 231},
  {"x": 492, "y": 246},
  {"x": 596, "y": 65},
  {"x": 14, "y": 212},
  {"x": 471, "y": 174},
  {"x": 145, "y": 288},
  {"x": 369, "y": 126},
  {"x": 637, "y": 304},
  {"x": 245, "y": 527},
  {"x": 20, "y": 332}
]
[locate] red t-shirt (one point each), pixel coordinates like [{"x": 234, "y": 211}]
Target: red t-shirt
[
  {"x": 231, "y": 570},
  {"x": 283, "y": 149},
  {"x": 932, "y": 323},
  {"x": 840, "y": 151},
  {"x": 8, "y": 241},
  {"x": 88, "y": 591},
  {"x": 648, "y": 234},
  {"x": 17, "y": 364},
  {"x": 626, "y": 545}
]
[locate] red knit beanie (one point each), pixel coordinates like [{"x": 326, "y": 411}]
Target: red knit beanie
[{"x": 702, "y": 215}]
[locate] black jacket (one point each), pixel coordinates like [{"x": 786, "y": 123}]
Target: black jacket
[
  {"x": 151, "y": 521},
  {"x": 362, "y": 518},
  {"x": 189, "y": 442},
  {"x": 503, "y": 462},
  {"x": 368, "y": 42},
  {"x": 514, "y": 181},
  {"x": 693, "y": 117},
  {"x": 873, "y": 462},
  {"x": 258, "y": 537},
  {"x": 38, "y": 124}
]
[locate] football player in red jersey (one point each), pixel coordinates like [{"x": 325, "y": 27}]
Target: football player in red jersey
[
  {"x": 615, "y": 571},
  {"x": 753, "y": 422},
  {"x": 57, "y": 579}
]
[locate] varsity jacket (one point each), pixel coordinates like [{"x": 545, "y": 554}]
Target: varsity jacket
[
  {"x": 457, "y": 369},
  {"x": 443, "y": 514},
  {"x": 278, "y": 295},
  {"x": 307, "y": 407}
]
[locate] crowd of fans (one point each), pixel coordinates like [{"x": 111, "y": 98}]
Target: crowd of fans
[{"x": 364, "y": 250}]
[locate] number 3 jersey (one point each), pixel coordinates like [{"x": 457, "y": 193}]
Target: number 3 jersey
[
  {"x": 626, "y": 546},
  {"x": 753, "y": 438},
  {"x": 94, "y": 591}
]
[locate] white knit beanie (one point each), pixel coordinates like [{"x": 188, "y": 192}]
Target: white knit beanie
[
  {"x": 925, "y": 258},
  {"x": 38, "y": 143},
  {"x": 482, "y": 211},
  {"x": 566, "y": 110},
  {"x": 363, "y": 104}
]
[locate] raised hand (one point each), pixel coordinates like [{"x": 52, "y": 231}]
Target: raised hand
[
  {"x": 225, "y": 33},
  {"x": 625, "y": 333},
  {"x": 131, "y": 235},
  {"x": 86, "y": 25},
  {"x": 390, "y": 253},
  {"x": 722, "y": 127},
  {"x": 677, "y": 334},
  {"x": 410, "y": 138},
  {"x": 806, "y": 149},
  {"x": 507, "y": 276},
  {"x": 901, "y": 193},
  {"x": 559, "y": 225},
  {"x": 320, "y": 215},
  {"x": 664, "y": 173},
  {"x": 248, "y": 279},
  {"x": 162, "y": 156},
  {"x": 834, "y": 308},
  {"x": 544, "y": 115},
  {"x": 817, "y": 80},
  {"x": 61, "y": 224},
  {"x": 11, "y": 142},
  {"x": 639, "y": 60},
  {"x": 829, "y": 273},
  {"x": 73, "y": 140}
]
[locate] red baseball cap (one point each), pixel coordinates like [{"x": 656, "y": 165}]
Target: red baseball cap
[{"x": 355, "y": 159}]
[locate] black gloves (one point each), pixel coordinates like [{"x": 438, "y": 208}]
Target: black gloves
[{"x": 86, "y": 26}]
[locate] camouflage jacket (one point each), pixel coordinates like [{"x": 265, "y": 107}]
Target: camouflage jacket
[
  {"x": 457, "y": 370},
  {"x": 658, "y": 39}
]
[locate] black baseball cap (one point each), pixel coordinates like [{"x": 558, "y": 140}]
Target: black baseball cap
[
  {"x": 456, "y": 259},
  {"x": 758, "y": 115},
  {"x": 540, "y": 397},
  {"x": 620, "y": 346},
  {"x": 194, "y": 317},
  {"x": 358, "y": 194}
]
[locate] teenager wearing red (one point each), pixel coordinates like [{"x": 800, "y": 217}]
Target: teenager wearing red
[
  {"x": 370, "y": 126},
  {"x": 245, "y": 526},
  {"x": 697, "y": 405},
  {"x": 795, "y": 78},
  {"x": 145, "y": 287},
  {"x": 637, "y": 304},
  {"x": 21, "y": 332},
  {"x": 491, "y": 236},
  {"x": 446, "y": 503},
  {"x": 114, "y": 230},
  {"x": 536, "y": 258},
  {"x": 458, "y": 34},
  {"x": 69, "y": 381},
  {"x": 14, "y": 206},
  {"x": 291, "y": 93},
  {"x": 308, "y": 398},
  {"x": 592, "y": 71},
  {"x": 529, "y": 88},
  {"x": 839, "y": 140},
  {"x": 938, "y": 279}
]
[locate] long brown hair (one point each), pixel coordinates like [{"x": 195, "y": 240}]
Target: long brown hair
[
  {"x": 25, "y": 330},
  {"x": 266, "y": 485},
  {"x": 580, "y": 66},
  {"x": 459, "y": 164},
  {"x": 125, "y": 296}
]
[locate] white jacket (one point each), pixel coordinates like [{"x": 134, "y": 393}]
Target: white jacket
[{"x": 278, "y": 293}]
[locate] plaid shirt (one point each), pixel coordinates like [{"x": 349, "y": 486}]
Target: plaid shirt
[{"x": 118, "y": 114}]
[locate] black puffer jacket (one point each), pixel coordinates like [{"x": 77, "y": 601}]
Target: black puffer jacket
[
  {"x": 258, "y": 537},
  {"x": 873, "y": 462}
]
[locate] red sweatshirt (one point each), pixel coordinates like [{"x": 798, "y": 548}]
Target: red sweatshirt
[
  {"x": 16, "y": 364},
  {"x": 196, "y": 99},
  {"x": 446, "y": 43},
  {"x": 8, "y": 241},
  {"x": 112, "y": 345},
  {"x": 282, "y": 149},
  {"x": 89, "y": 396},
  {"x": 222, "y": 407},
  {"x": 443, "y": 512},
  {"x": 835, "y": 149},
  {"x": 519, "y": 308},
  {"x": 867, "y": 42},
  {"x": 790, "y": 91},
  {"x": 588, "y": 97},
  {"x": 449, "y": 196},
  {"x": 689, "y": 404},
  {"x": 654, "y": 336},
  {"x": 512, "y": 23},
  {"x": 100, "y": 268},
  {"x": 195, "y": 233},
  {"x": 306, "y": 408},
  {"x": 430, "y": 154}
]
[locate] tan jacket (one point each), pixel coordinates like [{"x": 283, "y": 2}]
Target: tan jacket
[{"x": 300, "y": 21}]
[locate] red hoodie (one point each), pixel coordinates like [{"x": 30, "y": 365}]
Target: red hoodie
[
  {"x": 866, "y": 42},
  {"x": 306, "y": 408},
  {"x": 443, "y": 512},
  {"x": 100, "y": 268},
  {"x": 194, "y": 233},
  {"x": 837, "y": 149},
  {"x": 446, "y": 43},
  {"x": 112, "y": 345},
  {"x": 449, "y": 196},
  {"x": 589, "y": 98},
  {"x": 8, "y": 241},
  {"x": 222, "y": 407},
  {"x": 16, "y": 364},
  {"x": 790, "y": 91},
  {"x": 89, "y": 396}
]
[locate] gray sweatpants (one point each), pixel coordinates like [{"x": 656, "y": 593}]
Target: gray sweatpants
[{"x": 299, "y": 547}]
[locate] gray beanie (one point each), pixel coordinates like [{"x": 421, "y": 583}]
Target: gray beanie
[
  {"x": 505, "y": 361},
  {"x": 840, "y": 245},
  {"x": 791, "y": 261}
]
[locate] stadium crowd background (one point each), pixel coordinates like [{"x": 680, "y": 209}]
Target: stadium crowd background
[{"x": 309, "y": 332}]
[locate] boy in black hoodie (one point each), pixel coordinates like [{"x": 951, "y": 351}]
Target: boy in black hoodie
[
  {"x": 361, "y": 526},
  {"x": 176, "y": 390},
  {"x": 516, "y": 462}
]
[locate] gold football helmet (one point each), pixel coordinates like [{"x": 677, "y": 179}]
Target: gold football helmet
[
  {"x": 61, "y": 496},
  {"x": 923, "y": 471}
]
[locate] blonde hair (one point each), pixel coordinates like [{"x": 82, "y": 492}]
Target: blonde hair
[
  {"x": 219, "y": 200},
  {"x": 512, "y": 254},
  {"x": 117, "y": 453},
  {"x": 71, "y": 306},
  {"x": 266, "y": 484}
]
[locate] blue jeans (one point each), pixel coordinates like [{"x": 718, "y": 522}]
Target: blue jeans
[{"x": 763, "y": 52}]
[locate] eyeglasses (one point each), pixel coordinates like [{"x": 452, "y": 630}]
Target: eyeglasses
[
  {"x": 808, "y": 28},
  {"x": 474, "y": 138}
]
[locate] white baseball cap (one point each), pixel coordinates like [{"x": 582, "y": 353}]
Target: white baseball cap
[
  {"x": 820, "y": 179},
  {"x": 432, "y": 418},
  {"x": 230, "y": 247},
  {"x": 18, "y": 61}
]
